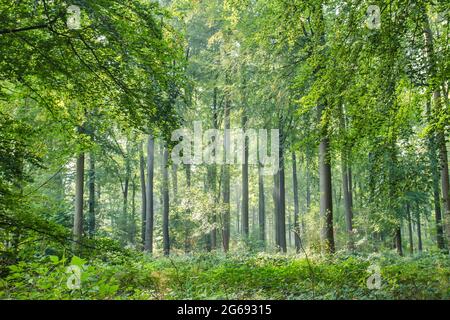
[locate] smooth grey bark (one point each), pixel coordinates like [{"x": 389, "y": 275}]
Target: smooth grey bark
[
  {"x": 126, "y": 185},
  {"x": 276, "y": 207},
  {"x": 410, "y": 232},
  {"x": 91, "y": 201},
  {"x": 148, "y": 246},
  {"x": 346, "y": 181},
  {"x": 143, "y": 193},
  {"x": 297, "y": 238},
  {"x": 226, "y": 181},
  {"x": 261, "y": 207},
  {"x": 326, "y": 194},
  {"x": 282, "y": 196},
  {"x": 437, "y": 135},
  {"x": 245, "y": 224},
  {"x": 308, "y": 182},
  {"x": 165, "y": 187},
  {"x": 174, "y": 183},
  {"x": 445, "y": 181},
  {"x": 79, "y": 192},
  {"x": 187, "y": 246},
  {"x": 212, "y": 172},
  {"x": 238, "y": 209},
  {"x": 419, "y": 230},
  {"x": 132, "y": 225},
  {"x": 347, "y": 201}
]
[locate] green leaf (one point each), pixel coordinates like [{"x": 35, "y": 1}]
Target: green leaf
[
  {"x": 77, "y": 261},
  {"x": 54, "y": 259}
]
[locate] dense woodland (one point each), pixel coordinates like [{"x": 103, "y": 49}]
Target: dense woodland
[{"x": 360, "y": 99}]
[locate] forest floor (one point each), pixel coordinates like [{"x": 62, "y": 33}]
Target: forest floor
[{"x": 232, "y": 276}]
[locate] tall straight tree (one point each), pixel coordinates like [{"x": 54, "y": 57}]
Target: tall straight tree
[
  {"x": 148, "y": 247},
  {"x": 326, "y": 202},
  {"x": 91, "y": 184},
  {"x": 245, "y": 227},
  {"x": 79, "y": 200},
  {"x": 282, "y": 195},
  {"x": 143, "y": 193},
  {"x": 261, "y": 207},
  {"x": 226, "y": 179},
  {"x": 165, "y": 189},
  {"x": 296, "y": 204},
  {"x": 436, "y": 139}
]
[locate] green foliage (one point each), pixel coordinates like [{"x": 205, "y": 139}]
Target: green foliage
[{"x": 234, "y": 276}]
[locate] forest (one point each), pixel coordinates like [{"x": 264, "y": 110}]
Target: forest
[{"x": 224, "y": 149}]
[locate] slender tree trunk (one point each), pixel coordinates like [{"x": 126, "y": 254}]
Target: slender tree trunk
[
  {"x": 245, "y": 225},
  {"x": 410, "y": 232},
  {"x": 124, "y": 226},
  {"x": 276, "y": 207},
  {"x": 149, "y": 195},
  {"x": 226, "y": 181},
  {"x": 132, "y": 230},
  {"x": 296, "y": 204},
  {"x": 91, "y": 183},
  {"x": 187, "y": 246},
  {"x": 398, "y": 240},
  {"x": 347, "y": 202},
  {"x": 282, "y": 196},
  {"x": 79, "y": 191},
  {"x": 261, "y": 207},
  {"x": 175, "y": 183},
  {"x": 213, "y": 176},
  {"x": 445, "y": 181},
  {"x": 308, "y": 182},
  {"x": 143, "y": 193},
  {"x": 346, "y": 185},
  {"x": 439, "y": 136},
  {"x": 166, "y": 240},
  {"x": 238, "y": 207},
  {"x": 326, "y": 202},
  {"x": 419, "y": 231},
  {"x": 432, "y": 154}
]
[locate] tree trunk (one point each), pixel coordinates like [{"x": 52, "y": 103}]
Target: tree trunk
[
  {"x": 438, "y": 137},
  {"x": 276, "y": 208},
  {"x": 245, "y": 227},
  {"x": 347, "y": 201},
  {"x": 91, "y": 183},
  {"x": 165, "y": 225},
  {"x": 187, "y": 246},
  {"x": 132, "y": 230},
  {"x": 326, "y": 202},
  {"x": 261, "y": 207},
  {"x": 226, "y": 181},
  {"x": 175, "y": 183},
  {"x": 398, "y": 240},
  {"x": 308, "y": 182},
  {"x": 346, "y": 184},
  {"x": 148, "y": 247},
  {"x": 124, "y": 226},
  {"x": 296, "y": 204},
  {"x": 419, "y": 231},
  {"x": 143, "y": 194},
  {"x": 410, "y": 232},
  {"x": 445, "y": 181},
  {"x": 432, "y": 154},
  {"x": 79, "y": 191},
  {"x": 282, "y": 197}
]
